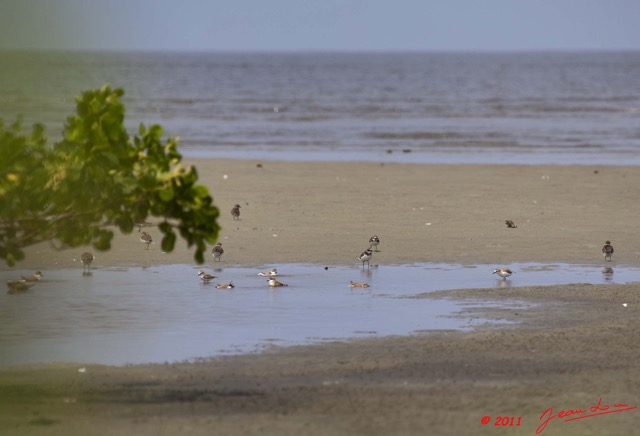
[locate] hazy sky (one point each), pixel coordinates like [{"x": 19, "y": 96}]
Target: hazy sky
[{"x": 268, "y": 25}]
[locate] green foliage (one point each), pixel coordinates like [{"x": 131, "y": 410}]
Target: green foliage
[{"x": 95, "y": 179}]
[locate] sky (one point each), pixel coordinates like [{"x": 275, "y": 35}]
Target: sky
[{"x": 320, "y": 25}]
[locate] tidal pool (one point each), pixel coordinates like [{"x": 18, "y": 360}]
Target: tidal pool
[{"x": 165, "y": 313}]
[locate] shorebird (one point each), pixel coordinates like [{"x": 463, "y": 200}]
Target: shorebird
[
  {"x": 358, "y": 285},
  {"x": 274, "y": 283},
  {"x": 607, "y": 251},
  {"x": 146, "y": 239},
  {"x": 272, "y": 273},
  {"x": 503, "y": 272},
  {"x": 225, "y": 285},
  {"x": 373, "y": 242},
  {"x": 365, "y": 256},
  {"x": 510, "y": 224},
  {"x": 86, "y": 258},
  {"x": 217, "y": 252},
  {"x": 35, "y": 277},
  {"x": 235, "y": 212},
  {"x": 205, "y": 276},
  {"x": 142, "y": 224},
  {"x": 16, "y": 286}
]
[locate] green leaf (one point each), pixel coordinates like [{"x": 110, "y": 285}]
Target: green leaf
[
  {"x": 168, "y": 242},
  {"x": 95, "y": 178},
  {"x": 165, "y": 227},
  {"x": 198, "y": 256},
  {"x": 125, "y": 223},
  {"x": 166, "y": 194},
  {"x": 201, "y": 191}
]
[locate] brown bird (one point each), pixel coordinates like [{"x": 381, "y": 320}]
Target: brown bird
[
  {"x": 35, "y": 277},
  {"x": 607, "y": 251},
  {"x": 510, "y": 224},
  {"x": 358, "y": 285},
  {"x": 235, "y": 212},
  {"x": 373, "y": 243},
  {"x": 205, "y": 277},
  {"x": 503, "y": 272},
  {"x": 146, "y": 239},
  {"x": 142, "y": 224},
  {"x": 225, "y": 285},
  {"x": 365, "y": 257},
  {"x": 217, "y": 252},
  {"x": 16, "y": 286},
  {"x": 275, "y": 284},
  {"x": 86, "y": 258}
]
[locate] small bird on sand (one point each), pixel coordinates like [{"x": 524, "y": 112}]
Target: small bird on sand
[
  {"x": 373, "y": 243},
  {"x": 503, "y": 272},
  {"x": 217, "y": 252},
  {"x": 146, "y": 239},
  {"x": 142, "y": 224},
  {"x": 205, "y": 277},
  {"x": 510, "y": 224},
  {"x": 366, "y": 257},
  {"x": 225, "y": 285},
  {"x": 235, "y": 212},
  {"x": 16, "y": 286},
  {"x": 358, "y": 285},
  {"x": 607, "y": 251},
  {"x": 272, "y": 273},
  {"x": 275, "y": 284},
  {"x": 35, "y": 277},
  {"x": 86, "y": 258}
]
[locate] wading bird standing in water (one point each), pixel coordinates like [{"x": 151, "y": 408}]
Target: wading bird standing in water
[
  {"x": 366, "y": 257},
  {"x": 86, "y": 258},
  {"x": 503, "y": 272}
]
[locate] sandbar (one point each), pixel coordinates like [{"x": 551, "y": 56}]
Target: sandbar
[{"x": 575, "y": 348}]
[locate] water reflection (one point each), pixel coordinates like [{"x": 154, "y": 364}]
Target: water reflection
[
  {"x": 502, "y": 283},
  {"x": 607, "y": 274}
]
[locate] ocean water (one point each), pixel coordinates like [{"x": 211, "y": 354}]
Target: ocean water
[{"x": 555, "y": 108}]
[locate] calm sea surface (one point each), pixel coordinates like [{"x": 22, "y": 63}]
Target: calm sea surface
[{"x": 561, "y": 108}]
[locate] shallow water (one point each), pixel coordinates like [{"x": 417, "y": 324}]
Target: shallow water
[
  {"x": 135, "y": 315},
  {"x": 433, "y": 155}
]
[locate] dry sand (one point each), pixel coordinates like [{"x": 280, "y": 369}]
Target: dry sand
[{"x": 579, "y": 344}]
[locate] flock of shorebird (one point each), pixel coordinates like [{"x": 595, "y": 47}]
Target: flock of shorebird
[
  {"x": 271, "y": 279},
  {"x": 27, "y": 282},
  {"x": 607, "y": 252},
  {"x": 24, "y": 283},
  {"x": 217, "y": 251}
]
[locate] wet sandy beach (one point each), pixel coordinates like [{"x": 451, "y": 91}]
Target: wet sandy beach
[{"x": 577, "y": 349}]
